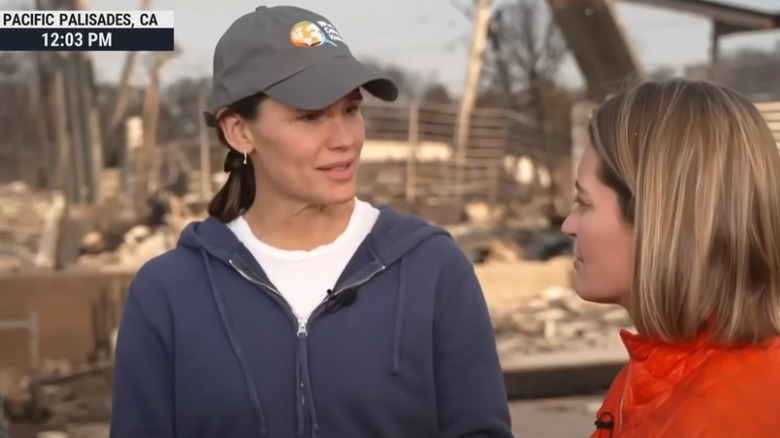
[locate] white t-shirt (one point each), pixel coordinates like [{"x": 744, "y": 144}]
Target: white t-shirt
[{"x": 304, "y": 277}]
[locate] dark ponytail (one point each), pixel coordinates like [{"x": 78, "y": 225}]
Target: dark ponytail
[{"x": 238, "y": 193}]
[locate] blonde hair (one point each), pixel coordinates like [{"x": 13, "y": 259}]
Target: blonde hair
[{"x": 697, "y": 173}]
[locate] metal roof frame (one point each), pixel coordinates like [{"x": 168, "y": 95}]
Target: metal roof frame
[{"x": 735, "y": 18}]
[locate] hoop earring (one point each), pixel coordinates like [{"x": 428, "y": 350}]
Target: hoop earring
[{"x": 244, "y": 157}]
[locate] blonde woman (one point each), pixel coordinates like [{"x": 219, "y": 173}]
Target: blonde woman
[{"x": 677, "y": 219}]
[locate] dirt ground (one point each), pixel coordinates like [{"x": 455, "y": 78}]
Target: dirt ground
[
  {"x": 553, "y": 418},
  {"x": 509, "y": 284}
]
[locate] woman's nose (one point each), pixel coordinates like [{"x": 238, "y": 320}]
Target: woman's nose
[
  {"x": 342, "y": 135},
  {"x": 568, "y": 226}
]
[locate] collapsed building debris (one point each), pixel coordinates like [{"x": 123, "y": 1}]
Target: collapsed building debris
[
  {"x": 507, "y": 251},
  {"x": 121, "y": 235},
  {"x": 158, "y": 232},
  {"x": 557, "y": 319},
  {"x": 23, "y": 216},
  {"x": 139, "y": 244},
  {"x": 533, "y": 304},
  {"x": 73, "y": 401},
  {"x": 117, "y": 234}
]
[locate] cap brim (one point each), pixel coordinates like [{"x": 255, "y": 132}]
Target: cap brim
[{"x": 324, "y": 84}]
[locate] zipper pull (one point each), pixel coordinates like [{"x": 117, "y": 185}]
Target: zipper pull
[{"x": 302, "y": 327}]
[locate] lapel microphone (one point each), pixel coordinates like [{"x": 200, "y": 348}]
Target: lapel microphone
[{"x": 343, "y": 299}]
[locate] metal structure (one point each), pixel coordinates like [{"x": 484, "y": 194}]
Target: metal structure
[
  {"x": 758, "y": 80},
  {"x": 606, "y": 59},
  {"x": 410, "y": 156},
  {"x": 732, "y": 18},
  {"x": 412, "y": 152},
  {"x": 771, "y": 111},
  {"x": 581, "y": 117},
  {"x": 726, "y": 19}
]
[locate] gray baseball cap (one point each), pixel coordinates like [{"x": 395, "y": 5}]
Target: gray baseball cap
[{"x": 292, "y": 55}]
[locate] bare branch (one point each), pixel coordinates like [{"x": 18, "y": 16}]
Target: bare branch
[{"x": 525, "y": 51}]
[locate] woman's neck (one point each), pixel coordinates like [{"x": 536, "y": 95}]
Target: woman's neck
[{"x": 295, "y": 226}]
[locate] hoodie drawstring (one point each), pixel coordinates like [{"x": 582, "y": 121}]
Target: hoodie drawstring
[
  {"x": 399, "y": 318},
  {"x": 253, "y": 396}
]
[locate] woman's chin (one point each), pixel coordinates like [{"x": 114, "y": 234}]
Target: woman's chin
[{"x": 596, "y": 296}]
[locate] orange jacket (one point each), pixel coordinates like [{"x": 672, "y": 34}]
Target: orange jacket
[{"x": 693, "y": 390}]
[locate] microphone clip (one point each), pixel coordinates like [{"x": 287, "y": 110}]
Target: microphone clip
[{"x": 345, "y": 298}]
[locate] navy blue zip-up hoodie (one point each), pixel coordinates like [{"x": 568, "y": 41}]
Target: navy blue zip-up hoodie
[{"x": 402, "y": 348}]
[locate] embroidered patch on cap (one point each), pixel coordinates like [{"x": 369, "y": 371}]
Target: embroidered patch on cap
[{"x": 308, "y": 34}]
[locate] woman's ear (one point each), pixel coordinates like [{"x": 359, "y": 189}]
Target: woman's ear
[{"x": 236, "y": 133}]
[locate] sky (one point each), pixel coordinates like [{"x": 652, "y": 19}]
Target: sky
[{"x": 427, "y": 37}]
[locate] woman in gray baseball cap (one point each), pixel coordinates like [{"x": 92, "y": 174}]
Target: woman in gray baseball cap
[{"x": 296, "y": 309}]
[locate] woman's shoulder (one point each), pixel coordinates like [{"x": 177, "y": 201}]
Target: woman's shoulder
[
  {"x": 164, "y": 270},
  {"x": 754, "y": 365},
  {"x": 731, "y": 389},
  {"x": 731, "y": 393},
  {"x": 398, "y": 234},
  {"x": 168, "y": 262}
]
